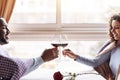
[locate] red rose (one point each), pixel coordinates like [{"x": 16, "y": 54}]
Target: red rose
[{"x": 58, "y": 76}]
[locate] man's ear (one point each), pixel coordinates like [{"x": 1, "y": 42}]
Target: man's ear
[{"x": 2, "y": 21}]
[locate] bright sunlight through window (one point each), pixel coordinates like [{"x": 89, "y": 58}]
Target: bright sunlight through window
[{"x": 70, "y": 11}]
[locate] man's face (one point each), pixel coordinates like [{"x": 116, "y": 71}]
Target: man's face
[{"x": 4, "y": 31}]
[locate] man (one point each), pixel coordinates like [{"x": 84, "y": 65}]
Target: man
[{"x": 14, "y": 68}]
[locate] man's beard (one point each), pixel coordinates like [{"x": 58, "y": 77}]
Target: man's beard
[{"x": 3, "y": 41}]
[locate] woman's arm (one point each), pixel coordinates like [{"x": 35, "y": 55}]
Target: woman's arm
[
  {"x": 94, "y": 62},
  {"x": 91, "y": 62},
  {"x": 98, "y": 60}
]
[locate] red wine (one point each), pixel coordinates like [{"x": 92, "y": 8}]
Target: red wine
[{"x": 59, "y": 45}]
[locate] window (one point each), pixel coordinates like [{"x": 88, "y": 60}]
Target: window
[
  {"x": 37, "y": 21},
  {"x": 37, "y": 11},
  {"x": 76, "y": 18},
  {"x": 70, "y": 11}
]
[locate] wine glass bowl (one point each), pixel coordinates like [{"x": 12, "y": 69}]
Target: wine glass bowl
[{"x": 59, "y": 44}]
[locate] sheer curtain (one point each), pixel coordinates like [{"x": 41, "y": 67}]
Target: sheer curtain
[{"x": 6, "y": 8}]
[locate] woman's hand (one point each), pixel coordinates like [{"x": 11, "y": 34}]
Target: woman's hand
[{"x": 69, "y": 53}]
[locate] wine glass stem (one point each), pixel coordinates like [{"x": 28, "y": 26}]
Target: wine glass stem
[{"x": 60, "y": 54}]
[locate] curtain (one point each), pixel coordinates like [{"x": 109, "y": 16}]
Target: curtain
[{"x": 6, "y": 8}]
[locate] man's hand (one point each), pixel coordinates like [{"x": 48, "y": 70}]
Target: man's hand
[{"x": 49, "y": 54}]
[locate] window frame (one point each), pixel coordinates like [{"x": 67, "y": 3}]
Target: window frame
[
  {"x": 73, "y": 31},
  {"x": 82, "y": 31}
]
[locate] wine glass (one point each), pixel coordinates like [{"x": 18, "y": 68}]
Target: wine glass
[{"x": 60, "y": 41}]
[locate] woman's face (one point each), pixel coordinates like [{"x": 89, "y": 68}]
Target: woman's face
[{"x": 116, "y": 29}]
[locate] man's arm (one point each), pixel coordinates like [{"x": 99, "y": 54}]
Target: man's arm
[{"x": 33, "y": 64}]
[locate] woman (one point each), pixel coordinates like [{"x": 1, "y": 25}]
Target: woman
[{"x": 107, "y": 62}]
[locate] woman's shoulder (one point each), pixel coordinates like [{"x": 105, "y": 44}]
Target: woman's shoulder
[{"x": 106, "y": 43}]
